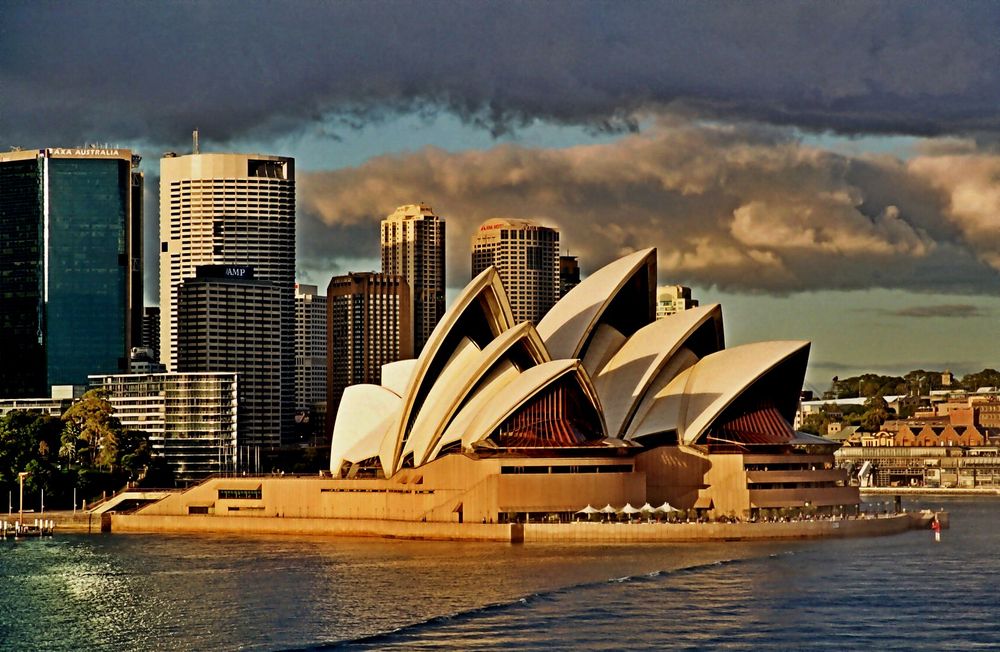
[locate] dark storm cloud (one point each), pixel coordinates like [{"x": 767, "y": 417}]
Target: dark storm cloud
[
  {"x": 72, "y": 72},
  {"x": 739, "y": 207},
  {"x": 959, "y": 367},
  {"x": 951, "y": 311}
]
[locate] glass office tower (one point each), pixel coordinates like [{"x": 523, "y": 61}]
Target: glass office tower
[{"x": 70, "y": 266}]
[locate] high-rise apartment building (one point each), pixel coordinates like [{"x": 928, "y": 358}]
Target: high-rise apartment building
[
  {"x": 366, "y": 318},
  {"x": 230, "y": 320},
  {"x": 671, "y": 299},
  {"x": 70, "y": 266},
  {"x": 233, "y": 210},
  {"x": 527, "y": 257},
  {"x": 413, "y": 246},
  {"x": 310, "y": 347},
  {"x": 569, "y": 274},
  {"x": 190, "y": 419}
]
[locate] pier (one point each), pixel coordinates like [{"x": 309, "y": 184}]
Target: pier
[{"x": 39, "y": 527}]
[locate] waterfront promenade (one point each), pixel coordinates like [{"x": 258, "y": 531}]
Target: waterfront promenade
[{"x": 574, "y": 532}]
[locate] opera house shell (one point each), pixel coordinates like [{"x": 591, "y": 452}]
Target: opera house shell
[{"x": 600, "y": 404}]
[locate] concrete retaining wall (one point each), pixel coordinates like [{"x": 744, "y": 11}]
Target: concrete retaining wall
[{"x": 69, "y": 521}]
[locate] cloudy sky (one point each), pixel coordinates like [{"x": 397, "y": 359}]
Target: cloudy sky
[{"x": 826, "y": 171}]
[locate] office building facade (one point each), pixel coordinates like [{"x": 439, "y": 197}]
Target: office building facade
[
  {"x": 238, "y": 211},
  {"x": 71, "y": 266},
  {"x": 190, "y": 419},
  {"x": 527, "y": 257},
  {"x": 367, "y": 314},
  {"x": 310, "y": 359},
  {"x": 229, "y": 320},
  {"x": 413, "y": 246}
]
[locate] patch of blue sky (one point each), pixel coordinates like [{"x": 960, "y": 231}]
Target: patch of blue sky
[
  {"x": 902, "y": 147},
  {"x": 330, "y": 145}
]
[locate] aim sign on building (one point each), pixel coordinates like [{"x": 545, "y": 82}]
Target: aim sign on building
[{"x": 600, "y": 392}]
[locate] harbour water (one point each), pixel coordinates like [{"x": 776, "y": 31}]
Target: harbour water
[{"x": 139, "y": 592}]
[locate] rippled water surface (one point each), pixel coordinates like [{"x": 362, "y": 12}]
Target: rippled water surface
[{"x": 138, "y": 592}]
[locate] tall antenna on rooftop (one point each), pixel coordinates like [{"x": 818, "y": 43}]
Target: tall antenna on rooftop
[{"x": 194, "y": 141}]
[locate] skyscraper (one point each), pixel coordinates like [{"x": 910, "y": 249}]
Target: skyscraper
[
  {"x": 310, "y": 347},
  {"x": 413, "y": 244},
  {"x": 527, "y": 257},
  {"x": 366, "y": 315},
  {"x": 71, "y": 266},
  {"x": 229, "y": 320},
  {"x": 569, "y": 274},
  {"x": 233, "y": 210}
]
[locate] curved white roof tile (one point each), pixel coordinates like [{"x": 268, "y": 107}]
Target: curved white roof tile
[
  {"x": 365, "y": 414},
  {"x": 484, "y": 293},
  {"x": 524, "y": 387},
  {"x": 502, "y": 375},
  {"x": 396, "y": 375},
  {"x": 623, "y": 381},
  {"x": 428, "y": 424},
  {"x": 605, "y": 343},
  {"x": 692, "y": 401},
  {"x": 450, "y": 393},
  {"x": 680, "y": 361},
  {"x": 568, "y": 324}
]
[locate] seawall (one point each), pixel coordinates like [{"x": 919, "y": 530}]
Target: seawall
[
  {"x": 67, "y": 521},
  {"x": 580, "y": 532}
]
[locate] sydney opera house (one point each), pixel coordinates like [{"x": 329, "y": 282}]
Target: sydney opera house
[{"x": 600, "y": 404}]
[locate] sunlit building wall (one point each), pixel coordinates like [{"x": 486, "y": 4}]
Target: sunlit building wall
[
  {"x": 367, "y": 314},
  {"x": 673, "y": 299},
  {"x": 413, "y": 246},
  {"x": 527, "y": 257}
]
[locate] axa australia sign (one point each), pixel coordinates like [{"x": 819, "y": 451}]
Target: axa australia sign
[{"x": 88, "y": 152}]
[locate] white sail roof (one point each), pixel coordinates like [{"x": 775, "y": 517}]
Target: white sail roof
[
  {"x": 522, "y": 389},
  {"x": 364, "y": 417},
  {"x": 520, "y": 343},
  {"x": 623, "y": 381},
  {"x": 698, "y": 395},
  {"x": 568, "y": 324},
  {"x": 482, "y": 305}
]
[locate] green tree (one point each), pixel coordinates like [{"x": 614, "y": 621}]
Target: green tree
[
  {"x": 92, "y": 433},
  {"x": 17, "y": 445},
  {"x": 984, "y": 378},
  {"x": 875, "y": 414}
]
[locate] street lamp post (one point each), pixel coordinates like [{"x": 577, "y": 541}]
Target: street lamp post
[{"x": 20, "y": 504}]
